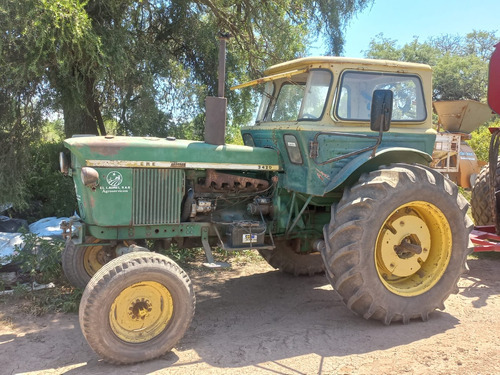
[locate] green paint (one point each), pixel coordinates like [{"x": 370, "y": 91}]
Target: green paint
[
  {"x": 313, "y": 177},
  {"x": 149, "y": 149}
]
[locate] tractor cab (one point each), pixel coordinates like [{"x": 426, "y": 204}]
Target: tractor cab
[{"x": 316, "y": 112}]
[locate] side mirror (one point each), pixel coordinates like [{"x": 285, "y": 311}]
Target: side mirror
[{"x": 381, "y": 113}]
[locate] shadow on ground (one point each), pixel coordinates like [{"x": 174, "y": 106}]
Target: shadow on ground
[{"x": 240, "y": 321}]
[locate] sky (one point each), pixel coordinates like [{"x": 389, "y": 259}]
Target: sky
[{"x": 403, "y": 19}]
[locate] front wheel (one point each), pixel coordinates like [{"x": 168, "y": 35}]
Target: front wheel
[
  {"x": 397, "y": 243},
  {"x": 81, "y": 262},
  {"x": 136, "y": 308}
]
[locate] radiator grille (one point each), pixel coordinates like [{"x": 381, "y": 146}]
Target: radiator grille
[{"x": 157, "y": 196}]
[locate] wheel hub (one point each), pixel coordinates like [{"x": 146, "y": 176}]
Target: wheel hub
[
  {"x": 413, "y": 248},
  {"x": 95, "y": 257},
  {"x": 405, "y": 244},
  {"x": 141, "y": 312},
  {"x": 140, "y": 309}
]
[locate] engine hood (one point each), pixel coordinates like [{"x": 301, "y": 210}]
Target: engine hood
[{"x": 152, "y": 152}]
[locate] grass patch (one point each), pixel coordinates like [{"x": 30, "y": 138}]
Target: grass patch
[
  {"x": 45, "y": 301},
  {"x": 240, "y": 258},
  {"x": 39, "y": 262}
]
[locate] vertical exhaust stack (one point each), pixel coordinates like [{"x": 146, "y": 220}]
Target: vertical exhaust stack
[{"x": 215, "y": 122}]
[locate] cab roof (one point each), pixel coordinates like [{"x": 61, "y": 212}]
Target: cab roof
[{"x": 305, "y": 62}]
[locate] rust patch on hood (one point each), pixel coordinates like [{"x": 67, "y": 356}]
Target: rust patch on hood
[{"x": 106, "y": 146}]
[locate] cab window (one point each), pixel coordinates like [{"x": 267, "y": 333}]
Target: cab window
[
  {"x": 303, "y": 97},
  {"x": 355, "y": 96},
  {"x": 289, "y": 101}
]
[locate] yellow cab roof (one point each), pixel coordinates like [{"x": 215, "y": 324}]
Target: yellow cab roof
[
  {"x": 305, "y": 62},
  {"x": 301, "y": 65}
]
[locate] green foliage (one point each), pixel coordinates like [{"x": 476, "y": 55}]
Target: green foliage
[
  {"x": 39, "y": 258},
  {"x": 460, "y": 63},
  {"x": 54, "y": 300},
  {"x": 181, "y": 256},
  {"x": 415, "y": 51},
  {"x": 40, "y": 302},
  {"x": 137, "y": 67},
  {"x": 150, "y": 64},
  {"x": 21, "y": 290},
  {"x": 480, "y": 140},
  {"x": 460, "y": 70},
  {"x": 53, "y": 131},
  {"x": 460, "y": 77},
  {"x": 50, "y": 193},
  {"x": 18, "y": 128},
  {"x": 42, "y": 190},
  {"x": 466, "y": 194},
  {"x": 238, "y": 257}
]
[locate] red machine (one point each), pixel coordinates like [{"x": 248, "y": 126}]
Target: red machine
[{"x": 487, "y": 237}]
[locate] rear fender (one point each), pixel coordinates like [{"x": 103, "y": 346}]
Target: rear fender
[{"x": 365, "y": 163}]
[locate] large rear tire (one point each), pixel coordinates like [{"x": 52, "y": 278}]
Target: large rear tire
[
  {"x": 398, "y": 243},
  {"x": 482, "y": 204},
  {"x": 287, "y": 258},
  {"x": 136, "y": 308}
]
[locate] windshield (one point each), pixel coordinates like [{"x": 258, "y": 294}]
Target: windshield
[
  {"x": 357, "y": 89},
  {"x": 267, "y": 95},
  {"x": 301, "y": 97}
]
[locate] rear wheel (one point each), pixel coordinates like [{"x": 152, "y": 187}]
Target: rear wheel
[
  {"x": 288, "y": 258},
  {"x": 136, "y": 308},
  {"x": 482, "y": 204},
  {"x": 397, "y": 243}
]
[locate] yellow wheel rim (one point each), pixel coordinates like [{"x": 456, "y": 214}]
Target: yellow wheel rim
[
  {"x": 141, "y": 312},
  {"x": 413, "y": 248},
  {"x": 94, "y": 258}
]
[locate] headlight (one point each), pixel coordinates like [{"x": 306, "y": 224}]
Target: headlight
[{"x": 90, "y": 177}]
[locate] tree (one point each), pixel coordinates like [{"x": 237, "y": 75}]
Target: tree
[
  {"x": 415, "y": 51},
  {"x": 105, "y": 58},
  {"x": 143, "y": 66},
  {"x": 460, "y": 77},
  {"x": 460, "y": 63}
]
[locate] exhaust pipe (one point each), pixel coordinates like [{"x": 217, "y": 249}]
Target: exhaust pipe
[{"x": 216, "y": 107}]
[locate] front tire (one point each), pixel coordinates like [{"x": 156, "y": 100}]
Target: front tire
[
  {"x": 397, "y": 243},
  {"x": 136, "y": 308},
  {"x": 81, "y": 262}
]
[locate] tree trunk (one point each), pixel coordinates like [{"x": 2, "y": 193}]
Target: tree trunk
[{"x": 81, "y": 110}]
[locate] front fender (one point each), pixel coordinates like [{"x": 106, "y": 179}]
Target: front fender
[{"x": 364, "y": 163}]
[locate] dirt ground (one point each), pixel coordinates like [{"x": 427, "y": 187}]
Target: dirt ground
[{"x": 254, "y": 320}]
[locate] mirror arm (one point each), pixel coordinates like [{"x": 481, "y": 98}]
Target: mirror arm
[
  {"x": 380, "y": 132},
  {"x": 379, "y": 141}
]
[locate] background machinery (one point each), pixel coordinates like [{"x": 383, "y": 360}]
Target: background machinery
[
  {"x": 485, "y": 200},
  {"x": 452, "y": 156}
]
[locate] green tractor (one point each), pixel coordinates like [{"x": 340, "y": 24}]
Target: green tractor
[{"x": 333, "y": 178}]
